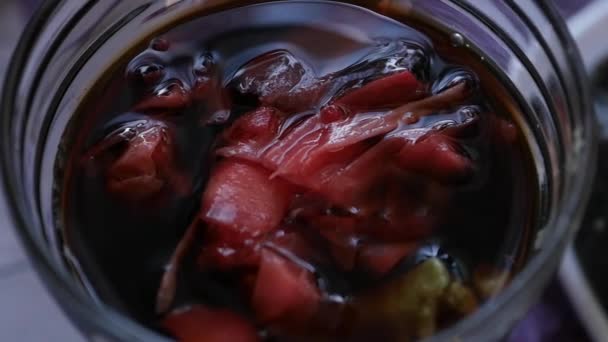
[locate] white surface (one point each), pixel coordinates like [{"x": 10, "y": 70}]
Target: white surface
[
  {"x": 583, "y": 299},
  {"x": 29, "y": 314},
  {"x": 589, "y": 28}
]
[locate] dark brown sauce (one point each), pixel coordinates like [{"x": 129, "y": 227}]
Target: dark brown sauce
[{"x": 124, "y": 245}]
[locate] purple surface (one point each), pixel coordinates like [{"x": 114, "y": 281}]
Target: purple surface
[
  {"x": 552, "y": 319},
  {"x": 571, "y": 7}
]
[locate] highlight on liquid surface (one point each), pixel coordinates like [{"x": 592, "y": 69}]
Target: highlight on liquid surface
[{"x": 296, "y": 171}]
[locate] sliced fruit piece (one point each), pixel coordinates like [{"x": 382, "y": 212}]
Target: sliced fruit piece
[
  {"x": 312, "y": 151},
  {"x": 333, "y": 113},
  {"x": 221, "y": 255},
  {"x": 381, "y": 258},
  {"x": 353, "y": 182},
  {"x": 438, "y": 156},
  {"x": 241, "y": 201},
  {"x": 294, "y": 244},
  {"x": 260, "y": 125},
  {"x": 198, "y": 324},
  {"x": 386, "y": 92},
  {"x": 284, "y": 291},
  {"x": 146, "y": 165},
  {"x": 249, "y": 135},
  {"x": 279, "y": 79}
]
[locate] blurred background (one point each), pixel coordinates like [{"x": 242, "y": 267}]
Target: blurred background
[{"x": 30, "y": 314}]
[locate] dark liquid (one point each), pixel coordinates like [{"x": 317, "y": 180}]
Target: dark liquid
[{"x": 123, "y": 248}]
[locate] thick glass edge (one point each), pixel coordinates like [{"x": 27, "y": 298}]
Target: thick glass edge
[{"x": 73, "y": 302}]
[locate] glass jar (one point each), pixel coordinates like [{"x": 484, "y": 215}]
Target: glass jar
[{"x": 70, "y": 44}]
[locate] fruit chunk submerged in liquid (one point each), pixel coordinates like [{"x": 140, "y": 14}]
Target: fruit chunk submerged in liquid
[
  {"x": 323, "y": 190},
  {"x": 363, "y": 174}
]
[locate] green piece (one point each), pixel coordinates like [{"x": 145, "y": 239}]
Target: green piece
[
  {"x": 460, "y": 299},
  {"x": 410, "y": 302}
]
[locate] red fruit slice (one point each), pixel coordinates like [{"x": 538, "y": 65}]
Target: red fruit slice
[
  {"x": 198, "y": 324},
  {"x": 302, "y": 156},
  {"x": 310, "y": 153},
  {"x": 365, "y": 126},
  {"x": 241, "y": 201},
  {"x": 386, "y": 92},
  {"x": 280, "y": 80},
  {"x": 300, "y": 139},
  {"x": 335, "y": 159},
  {"x": 260, "y": 125},
  {"x": 145, "y": 167},
  {"x": 333, "y": 113},
  {"x": 353, "y": 182},
  {"x": 437, "y": 156},
  {"x": 218, "y": 254},
  {"x": 270, "y": 74},
  {"x": 283, "y": 291},
  {"x": 379, "y": 259},
  {"x": 360, "y": 128},
  {"x": 251, "y": 133}
]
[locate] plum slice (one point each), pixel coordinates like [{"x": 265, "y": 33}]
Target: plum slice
[
  {"x": 241, "y": 199},
  {"x": 386, "y": 92},
  {"x": 437, "y": 156},
  {"x": 280, "y": 80},
  {"x": 334, "y": 158},
  {"x": 386, "y": 78},
  {"x": 198, "y": 323},
  {"x": 240, "y": 205},
  {"x": 380, "y": 258},
  {"x": 284, "y": 291},
  {"x": 248, "y": 136},
  {"x": 138, "y": 161},
  {"x": 392, "y": 72}
]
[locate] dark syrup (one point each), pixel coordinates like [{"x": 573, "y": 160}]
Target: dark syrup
[{"x": 123, "y": 248}]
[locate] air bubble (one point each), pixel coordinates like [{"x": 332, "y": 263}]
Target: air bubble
[
  {"x": 453, "y": 77},
  {"x": 456, "y": 39},
  {"x": 147, "y": 74},
  {"x": 203, "y": 64}
]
